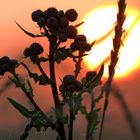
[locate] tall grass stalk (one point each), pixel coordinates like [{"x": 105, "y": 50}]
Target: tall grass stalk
[{"x": 117, "y": 42}]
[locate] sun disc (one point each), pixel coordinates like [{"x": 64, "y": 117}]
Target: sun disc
[{"x": 98, "y": 26}]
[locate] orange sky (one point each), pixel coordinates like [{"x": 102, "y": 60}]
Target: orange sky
[
  {"x": 11, "y": 37},
  {"x": 13, "y": 40}
]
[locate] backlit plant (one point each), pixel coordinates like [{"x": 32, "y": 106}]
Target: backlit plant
[{"x": 56, "y": 26}]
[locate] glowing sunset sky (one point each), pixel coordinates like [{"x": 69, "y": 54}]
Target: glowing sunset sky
[
  {"x": 12, "y": 37},
  {"x": 13, "y": 41}
]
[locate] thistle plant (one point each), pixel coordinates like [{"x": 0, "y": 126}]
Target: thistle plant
[{"x": 56, "y": 26}]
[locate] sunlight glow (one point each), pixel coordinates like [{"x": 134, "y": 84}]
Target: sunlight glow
[{"x": 98, "y": 27}]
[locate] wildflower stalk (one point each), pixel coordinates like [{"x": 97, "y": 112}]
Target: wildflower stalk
[
  {"x": 77, "y": 71},
  {"x": 71, "y": 125},
  {"x": 26, "y": 131},
  {"x": 88, "y": 134},
  {"x": 61, "y": 130},
  {"x": 114, "y": 56},
  {"x": 78, "y": 63}
]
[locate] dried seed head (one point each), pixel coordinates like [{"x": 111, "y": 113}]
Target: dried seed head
[{"x": 71, "y": 15}]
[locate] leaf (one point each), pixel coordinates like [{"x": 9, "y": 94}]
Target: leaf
[
  {"x": 24, "y": 111},
  {"x": 75, "y": 104},
  {"x": 43, "y": 59},
  {"x": 61, "y": 54},
  {"x": 32, "y": 75},
  {"x": 99, "y": 75},
  {"x": 95, "y": 81},
  {"x": 79, "y": 24},
  {"x": 92, "y": 43},
  {"x": 14, "y": 81},
  {"x": 28, "y": 33},
  {"x": 41, "y": 79},
  {"x": 83, "y": 110},
  {"x": 60, "y": 117},
  {"x": 40, "y": 122},
  {"x": 92, "y": 121}
]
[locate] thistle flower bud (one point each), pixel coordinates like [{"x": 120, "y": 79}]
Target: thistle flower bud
[
  {"x": 86, "y": 47},
  {"x": 6, "y": 67},
  {"x": 4, "y": 59},
  {"x": 63, "y": 22},
  {"x": 78, "y": 86},
  {"x": 62, "y": 88},
  {"x": 69, "y": 79},
  {"x": 90, "y": 75},
  {"x": 80, "y": 38},
  {"x": 70, "y": 88},
  {"x": 61, "y": 13},
  {"x": 37, "y": 15},
  {"x": 6, "y": 64},
  {"x": 34, "y": 59},
  {"x": 1, "y": 72},
  {"x": 27, "y": 52},
  {"x": 13, "y": 62},
  {"x": 52, "y": 23},
  {"x": 62, "y": 37},
  {"x": 71, "y": 15},
  {"x": 51, "y": 12},
  {"x": 74, "y": 46},
  {"x": 41, "y": 22},
  {"x": 71, "y": 32},
  {"x": 36, "y": 49}
]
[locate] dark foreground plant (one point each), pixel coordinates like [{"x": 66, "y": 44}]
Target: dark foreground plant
[{"x": 56, "y": 26}]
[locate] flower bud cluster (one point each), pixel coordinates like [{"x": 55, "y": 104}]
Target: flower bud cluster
[
  {"x": 57, "y": 21},
  {"x": 7, "y": 64},
  {"x": 70, "y": 84},
  {"x": 33, "y": 51},
  {"x": 90, "y": 75},
  {"x": 80, "y": 43}
]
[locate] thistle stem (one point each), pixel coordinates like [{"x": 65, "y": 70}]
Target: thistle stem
[
  {"x": 60, "y": 130},
  {"x": 71, "y": 126}
]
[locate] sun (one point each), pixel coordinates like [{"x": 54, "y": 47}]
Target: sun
[{"x": 99, "y": 27}]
